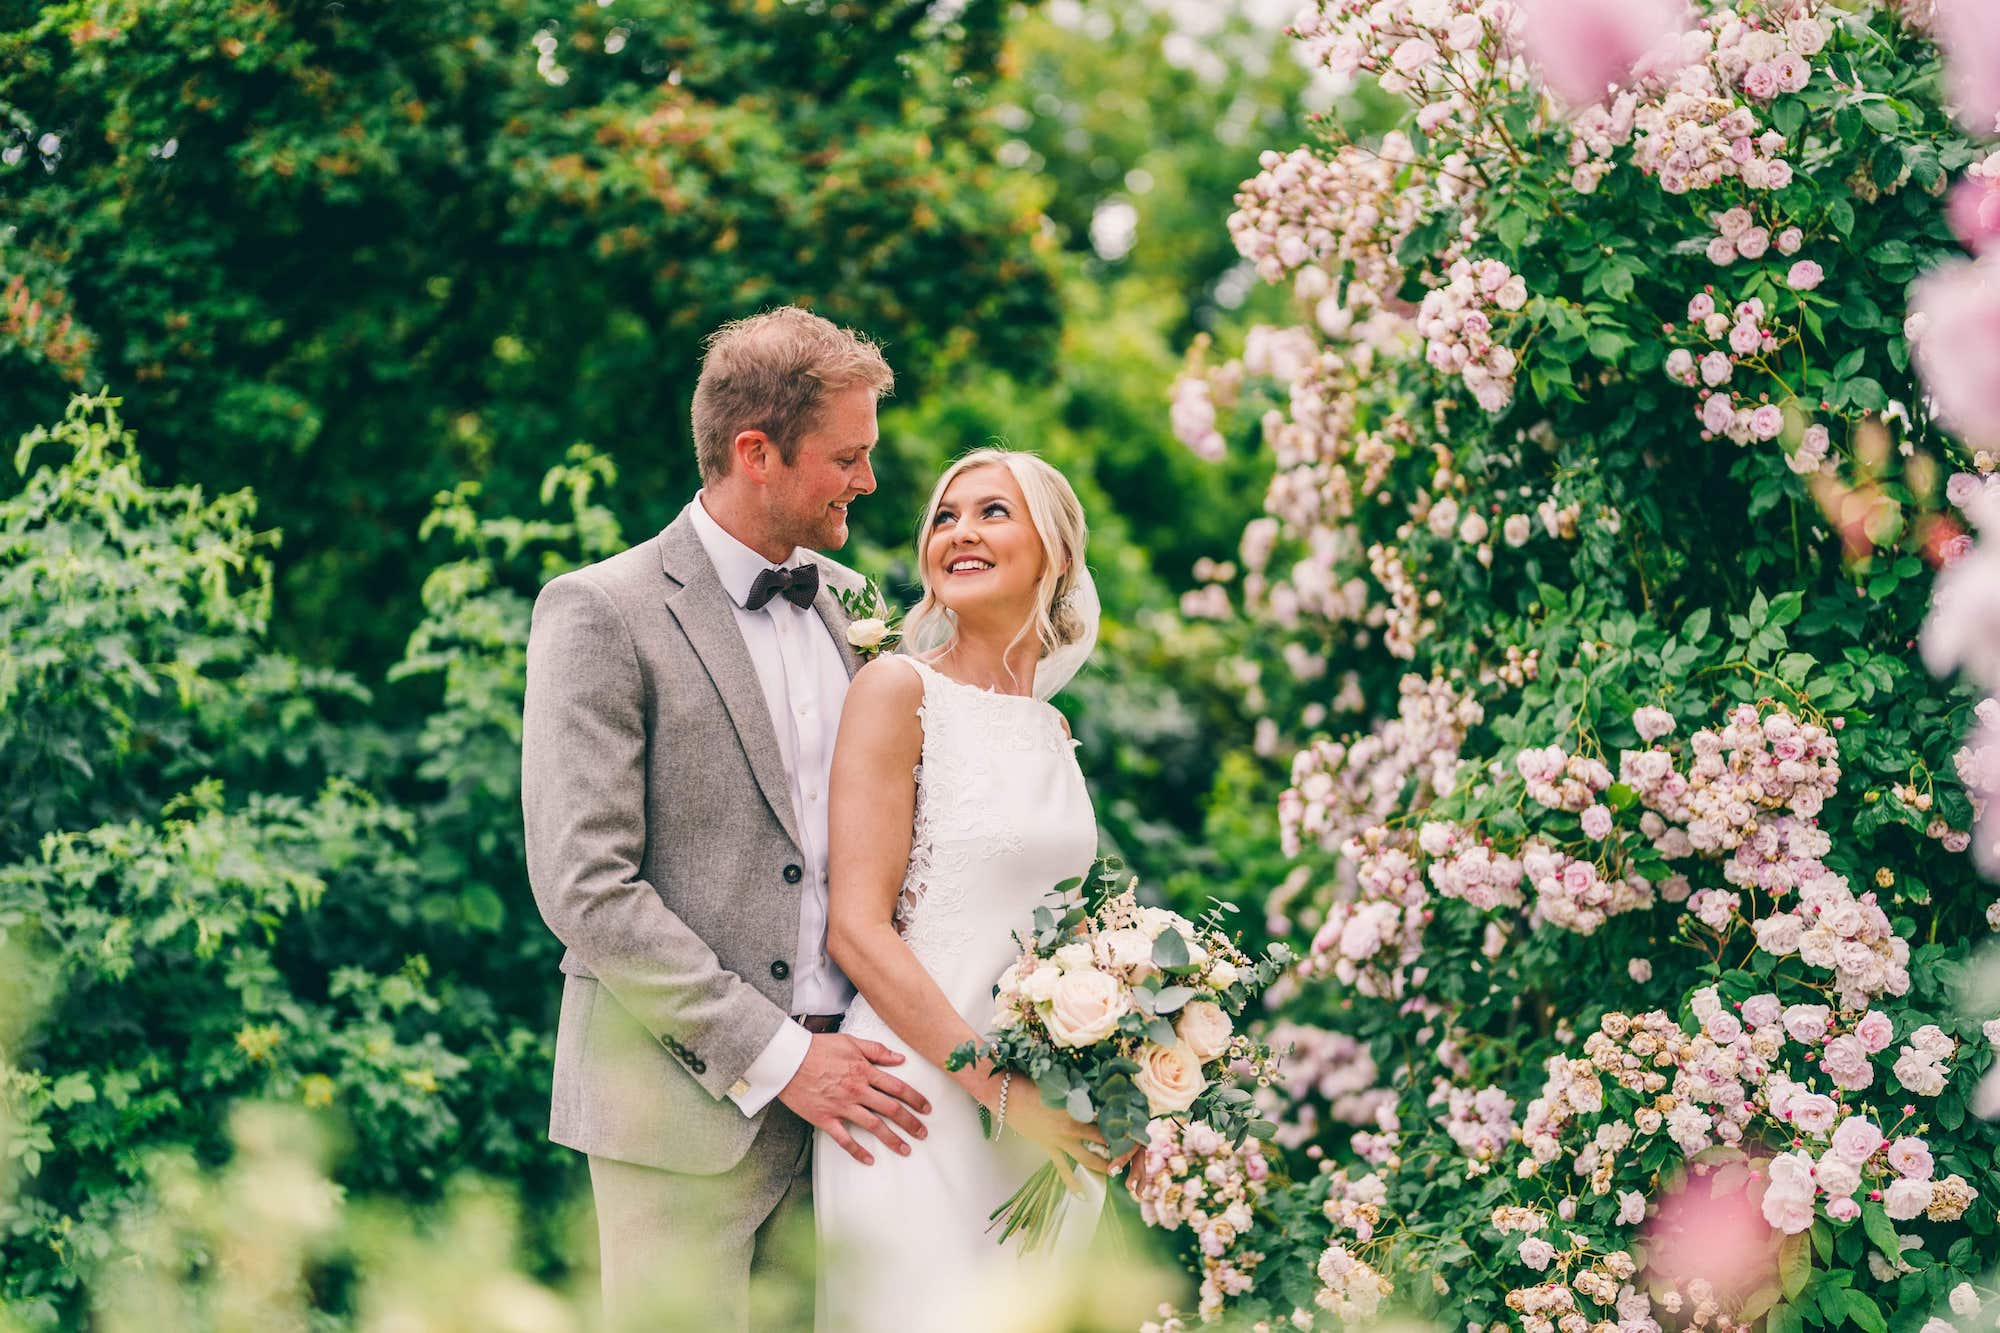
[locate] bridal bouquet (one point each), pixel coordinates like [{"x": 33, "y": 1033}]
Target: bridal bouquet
[{"x": 1120, "y": 1013}]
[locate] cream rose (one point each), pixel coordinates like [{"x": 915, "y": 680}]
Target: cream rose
[
  {"x": 1040, "y": 984},
  {"x": 1204, "y": 1029},
  {"x": 1075, "y": 957},
  {"x": 1085, "y": 1007},
  {"x": 867, "y": 635},
  {"x": 1129, "y": 947},
  {"x": 1170, "y": 1076}
]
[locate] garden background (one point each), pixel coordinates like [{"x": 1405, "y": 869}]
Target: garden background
[{"x": 330, "y": 332}]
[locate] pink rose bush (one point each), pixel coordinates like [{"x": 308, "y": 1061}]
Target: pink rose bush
[{"x": 1629, "y": 845}]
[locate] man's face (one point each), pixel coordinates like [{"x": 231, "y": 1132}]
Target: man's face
[{"x": 807, "y": 501}]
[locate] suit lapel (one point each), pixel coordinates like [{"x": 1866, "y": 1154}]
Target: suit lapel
[
  {"x": 835, "y": 617},
  {"x": 708, "y": 618}
]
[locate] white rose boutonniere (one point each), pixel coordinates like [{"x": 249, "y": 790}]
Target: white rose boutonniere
[{"x": 872, "y": 625}]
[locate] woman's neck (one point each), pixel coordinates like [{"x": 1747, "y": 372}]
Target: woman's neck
[{"x": 993, "y": 658}]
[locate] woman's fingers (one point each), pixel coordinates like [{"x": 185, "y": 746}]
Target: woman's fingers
[{"x": 1066, "y": 1172}]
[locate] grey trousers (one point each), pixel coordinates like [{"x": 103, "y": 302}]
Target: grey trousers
[{"x": 681, "y": 1251}]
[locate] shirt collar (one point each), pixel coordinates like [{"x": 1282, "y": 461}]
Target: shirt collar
[{"x": 736, "y": 565}]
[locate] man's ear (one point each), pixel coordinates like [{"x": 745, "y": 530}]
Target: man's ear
[{"x": 754, "y": 454}]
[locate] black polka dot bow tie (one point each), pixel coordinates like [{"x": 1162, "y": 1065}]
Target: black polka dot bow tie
[{"x": 798, "y": 586}]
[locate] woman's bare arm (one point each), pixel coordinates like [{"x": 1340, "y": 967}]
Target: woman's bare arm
[{"x": 871, "y": 808}]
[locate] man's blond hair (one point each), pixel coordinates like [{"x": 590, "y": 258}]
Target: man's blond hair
[{"x": 771, "y": 372}]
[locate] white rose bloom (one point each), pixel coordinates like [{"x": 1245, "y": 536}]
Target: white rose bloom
[
  {"x": 1040, "y": 984},
  {"x": 1222, "y": 974},
  {"x": 1073, "y": 957},
  {"x": 1964, "y": 1300},
  {"x": 867, "y": 634},
  {"x": 1204, "y": 1029},
  {"x": 1086, "y": 1007},
  {"x": 1170, "y": 1077}
]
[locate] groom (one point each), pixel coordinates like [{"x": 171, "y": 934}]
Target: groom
[{"x": 682, "y": 700}]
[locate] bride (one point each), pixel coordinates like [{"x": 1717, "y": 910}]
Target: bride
[{"x": 956, "y": 805}]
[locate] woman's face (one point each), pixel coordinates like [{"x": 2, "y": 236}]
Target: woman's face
[{"x": 982, "y": 556}]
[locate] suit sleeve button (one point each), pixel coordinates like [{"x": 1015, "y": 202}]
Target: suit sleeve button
[
  {"x": 781, "y": 969},
  {"x": 793, "y": 874}
]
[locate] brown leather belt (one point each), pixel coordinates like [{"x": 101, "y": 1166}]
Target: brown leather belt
[{"x": 818, "y": 1023}]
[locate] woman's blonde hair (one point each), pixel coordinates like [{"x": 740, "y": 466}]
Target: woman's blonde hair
[{"x": 1057, "y": 517}]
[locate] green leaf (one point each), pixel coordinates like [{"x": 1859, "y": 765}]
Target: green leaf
[
  {"x": 1881, "y": 117},
  {"x": 1880, "y": 1229},
  {"x": 1078, "y": 1105},
  {"x": 1173, "y": 997},
  {"x": 1861, "y": 1308},
  {"x": 1794, "y": 1264},
  {"x": 1170, "y": 950}
]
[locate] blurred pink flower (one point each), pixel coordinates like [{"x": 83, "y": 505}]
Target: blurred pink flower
[
  {"x": 1968, "y": 31},
  {"x": 1975, "y": 213},
  {"x": 1720, "y": 1236},
  {"x": 1958, "y": 306},
  {"x": 1584, "y": 47}
]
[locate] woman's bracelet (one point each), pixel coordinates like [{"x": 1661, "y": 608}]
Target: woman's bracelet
[{"x": 1000, "y": 1120}]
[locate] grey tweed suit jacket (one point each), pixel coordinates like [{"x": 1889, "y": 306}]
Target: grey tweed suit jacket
[{"x": 663, "y": 850}]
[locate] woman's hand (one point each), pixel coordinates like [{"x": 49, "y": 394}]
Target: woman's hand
[{"x": 1065, "y": 1139}]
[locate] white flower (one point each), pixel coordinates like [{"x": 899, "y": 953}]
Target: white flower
[
  {"x": 1086, "y": 1007},
  {"x": 1222, "y": 974},
  {"x": 867, "y": 635},
  {"x": 1074, "y": 957},
  {"x": 1205, "y": 1029},
  {"x": 1964, "y": 1300},
  {"x": 1040, "y": 984},
  {"x": 1169, "y": 1076}
]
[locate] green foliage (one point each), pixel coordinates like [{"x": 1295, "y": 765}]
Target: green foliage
[
  {"x": 349, "y": 256},
  {"x": 272, "y": 929}
]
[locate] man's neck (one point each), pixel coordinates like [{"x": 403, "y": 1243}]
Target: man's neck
[{"x": 741, "y": 524}]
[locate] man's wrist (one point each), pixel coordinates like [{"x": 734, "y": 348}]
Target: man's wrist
[{"x": 773, "y": 1069}]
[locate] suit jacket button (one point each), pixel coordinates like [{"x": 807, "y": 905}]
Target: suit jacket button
[
  {"x": 781, "y": 969},
  {"x": 793, "y": 874}
]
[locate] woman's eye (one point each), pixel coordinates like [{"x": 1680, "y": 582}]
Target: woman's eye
[
  {"x": 942, "y": 517},
  {"x": 993, "y": 509}
]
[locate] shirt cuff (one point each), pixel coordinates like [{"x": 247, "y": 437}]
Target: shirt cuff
[{"x": 771, "y": 1071}]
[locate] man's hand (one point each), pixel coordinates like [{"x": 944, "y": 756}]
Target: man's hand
[{"x": 843, "y": 1081}]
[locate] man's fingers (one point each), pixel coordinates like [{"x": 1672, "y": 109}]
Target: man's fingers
[
  {"x": 838, "y": 1133},
  {"x": 903, "y": 1092},
  {"x": 873, "y": 1124},
  {"x": 877, "y": 1053},
  {"x": 888, "y": 1106}
]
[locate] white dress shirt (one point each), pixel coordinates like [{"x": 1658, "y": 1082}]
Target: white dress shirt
[{"x": 805, "y": 683}]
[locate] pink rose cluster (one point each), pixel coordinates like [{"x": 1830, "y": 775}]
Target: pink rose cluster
[
  {"x": 1733, "y": 338},
  {"x": 1470, "y": 869},
  {"x": 1429, "y": 51},
  {"x": 1562, "y": 781},
  {"x": 1318, "y": 1065},
  {"x": 1757, "y": 765},
  {"x": 1698, "y": 135},
  {"x": 1369, "y": 940},
  {"x": 1458, "y": 320},
  {"x": 1480, "y": 1122},
  {"x": 1189, "y": 1175},
  {"x": 1920, "y": 1065},
  {"x": 1575, "y": 894},
  {"x": 1739, "y": 236},
  {"x": 1307, "y": 208},
  {"x": 1192, "y": 417},
  {"x": 1340, "y": 788}
]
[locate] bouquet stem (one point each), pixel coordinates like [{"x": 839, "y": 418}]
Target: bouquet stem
[{"x": 1035, "y": 1210}]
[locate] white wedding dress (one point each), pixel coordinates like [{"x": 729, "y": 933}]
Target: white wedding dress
[{"x": 1002, "y": 817}]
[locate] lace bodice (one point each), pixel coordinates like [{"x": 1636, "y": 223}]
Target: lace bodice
[{"x": 1002, "y": 817}]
